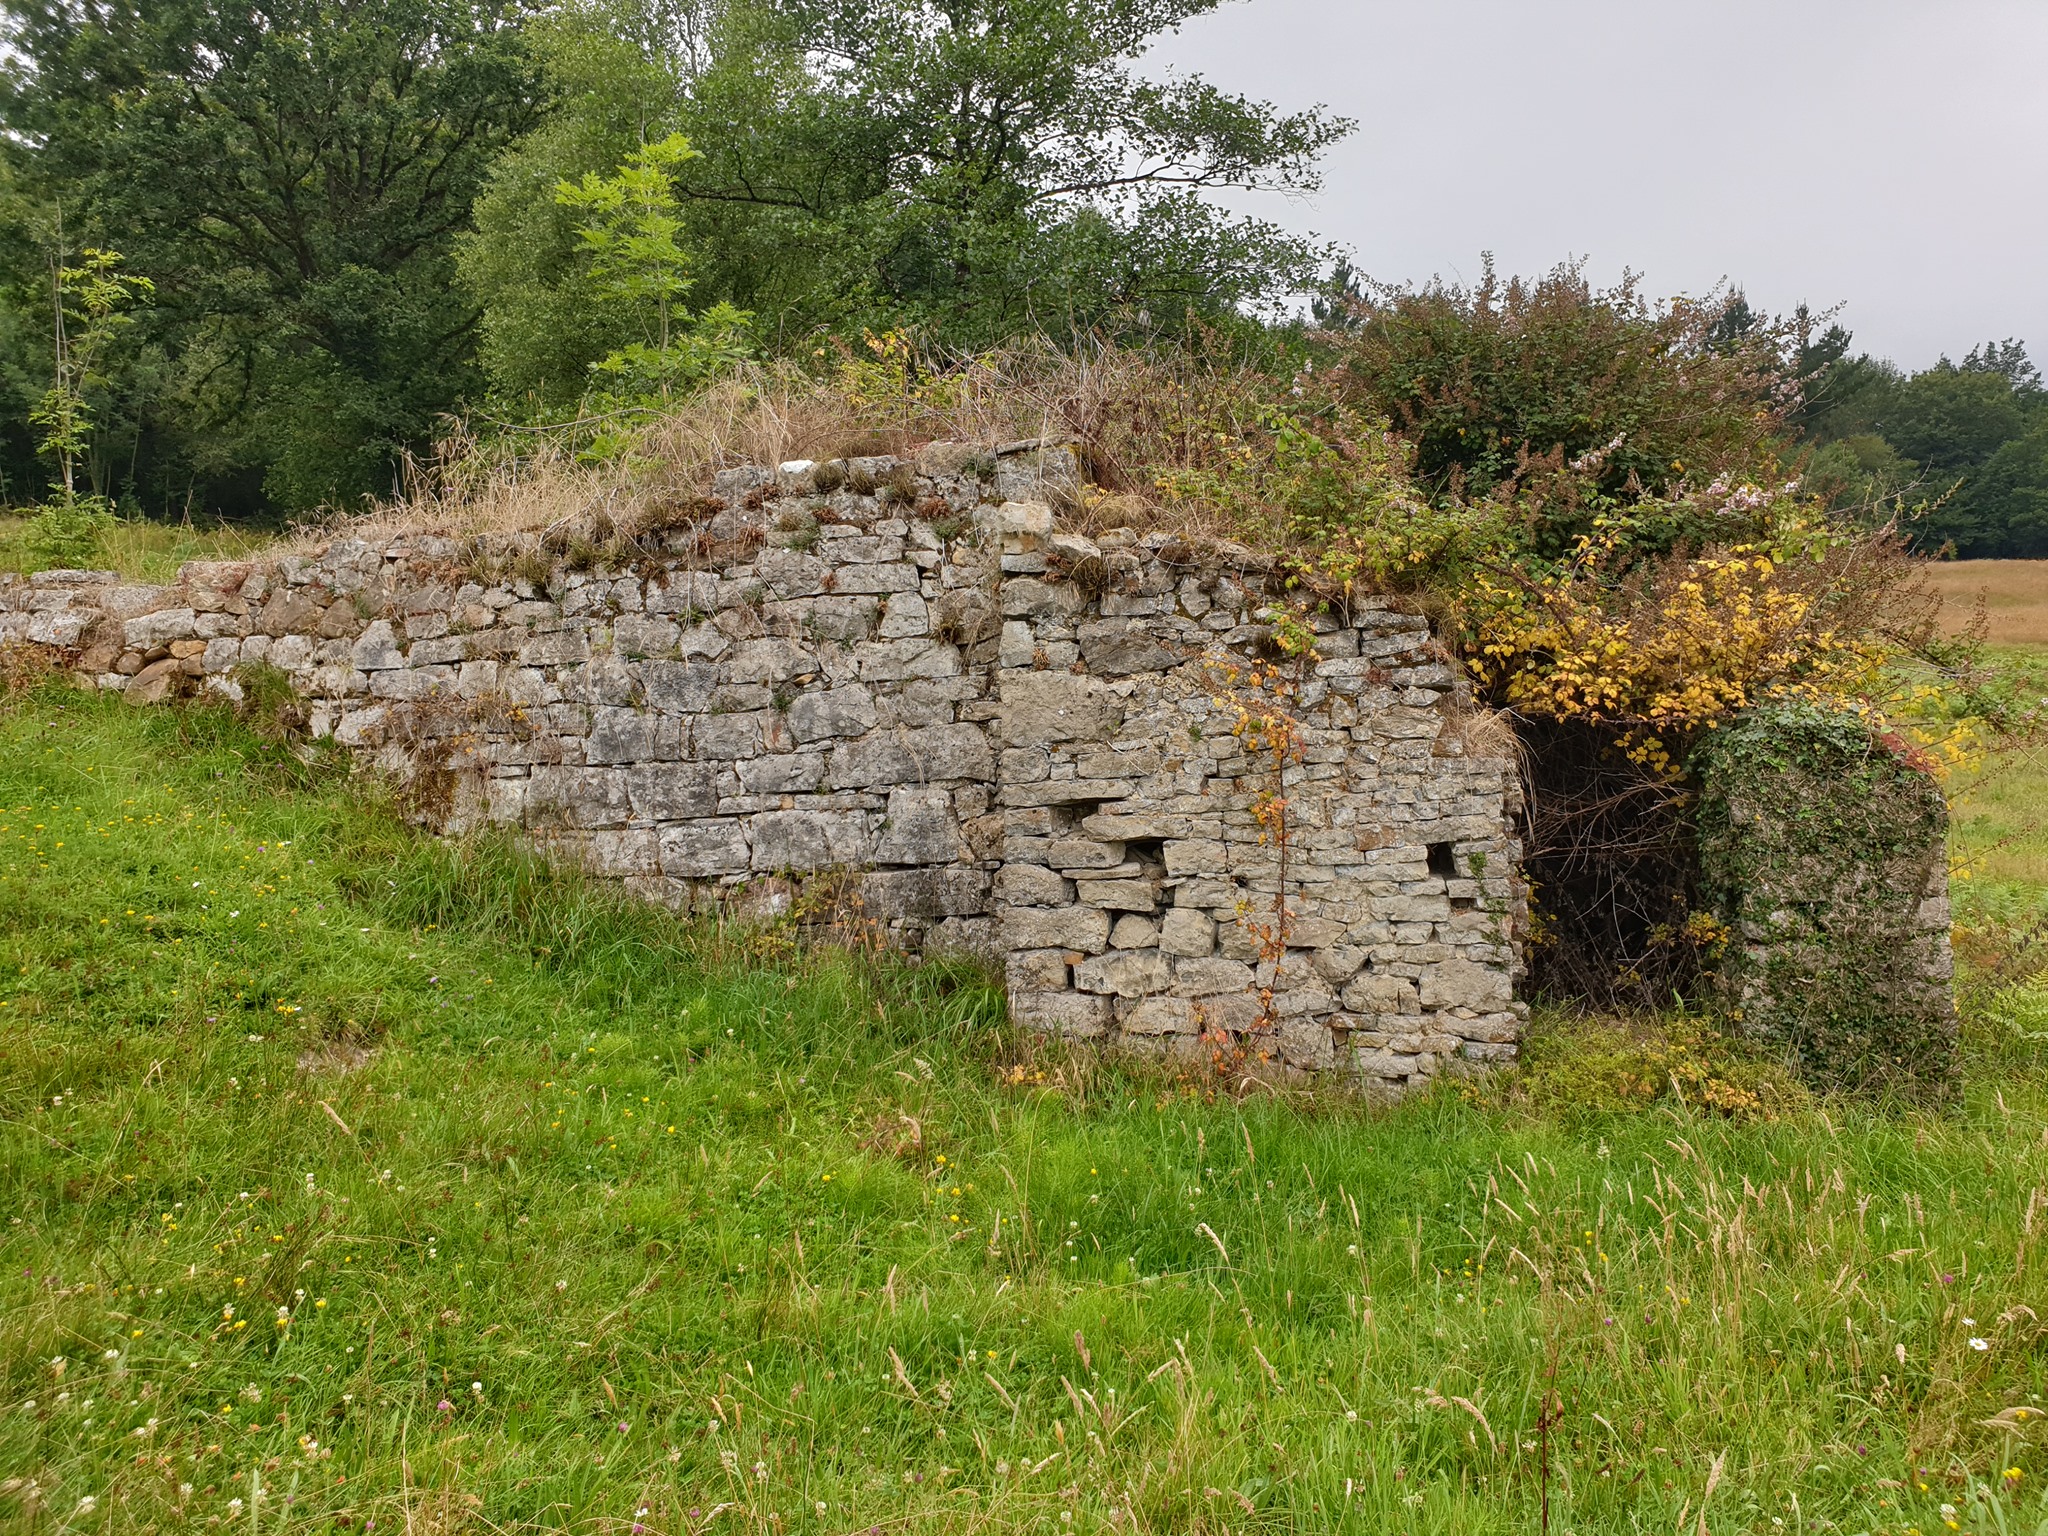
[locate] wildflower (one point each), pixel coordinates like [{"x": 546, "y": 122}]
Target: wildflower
[
  {"x": 87, "y": 1503},
  {"x": 1980, "y": 1345},
  {"x": 445, "y": 1406},
  {"x": 624, "y": 1428},
  {"x": 476, "y": 1388},
  {"x": 2013, "y": 1476}
]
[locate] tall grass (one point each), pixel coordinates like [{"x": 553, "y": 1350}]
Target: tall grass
[
  {"x": 379, "y": 1184},
  {"x": 142, "y": 550}
]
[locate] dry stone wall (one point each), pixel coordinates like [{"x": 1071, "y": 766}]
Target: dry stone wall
[{"x": 895, "y": 695}]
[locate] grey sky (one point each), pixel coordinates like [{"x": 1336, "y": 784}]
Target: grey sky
[{"x": 1891, "y": 155}]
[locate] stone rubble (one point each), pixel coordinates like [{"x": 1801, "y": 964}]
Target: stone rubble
[{"x": 897, "y": 695}]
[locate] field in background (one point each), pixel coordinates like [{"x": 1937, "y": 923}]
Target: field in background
[
  {"x": 352, "y": 1178},
  {"x": 2014, "y": 594},
  {"x": 143, "y": 551}
]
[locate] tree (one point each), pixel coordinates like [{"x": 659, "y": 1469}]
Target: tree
[
  {"x": 293, "y": 174},
  {"x": 90, "y": 305},
  {"x": 628, "y": 237},
  {"x": 1568, "y": 396},
  {"x": 971, "y": 169}
]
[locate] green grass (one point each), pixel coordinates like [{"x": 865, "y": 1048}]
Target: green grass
[
  {"x": 142, "y": 550},
  {"x": 361, "y": 1179}
]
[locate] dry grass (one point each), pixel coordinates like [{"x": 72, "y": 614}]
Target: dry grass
[
  {"x": 2011, "y": 594},
  {"x": 1130, "y": 415}
]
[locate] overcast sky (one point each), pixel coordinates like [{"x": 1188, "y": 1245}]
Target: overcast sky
[{"x": 1888, "y": 155}]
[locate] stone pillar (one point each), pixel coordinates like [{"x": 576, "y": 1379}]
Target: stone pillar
[{"x": 1822, "y": 847}]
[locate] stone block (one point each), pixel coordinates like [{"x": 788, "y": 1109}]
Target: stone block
[
  {"x": 160, "y": 628},
  {"x": 825, "y": 713},
  {"x": 1027, "y": 885},
  {"x": 1123, "y": 647},
  {"x": 1041, "y": 707},
  {"x": 1080, "y": 853},
  {"x": 632, "y": 736},
  {"x": 1036, "y": 970},
  {"x": 924, "y": 754},
  {"x": 1458, "y": 983},
  {"x": 907, "y": 615},
  {"x": 1082, "y": 928},
  {"x": 1373, "y": 993},
  {"x": 1158, "y": 1016},
  {"x": 1119, "y": 895},
  {"x": 1133, "y": 932},
  {"x": 770, "y": 661},
  {"x": 876, "y": 580},
  {"x": 1188, "y": 933},
  {"x": 1123, "y": 973},
  {"x": 805, "y": 841},
  {"x": 782, "y": 773},
  {"x": 727, "y": 738},
  {"x": 1071, "y": 1014},
  {"x": 921, "y": 829},
  {"x": 893, "y": 894},
  {"x": 1205, "y": 978},
  {"x": 704, "y": 850},
  {"x": 679, "y": 791}
]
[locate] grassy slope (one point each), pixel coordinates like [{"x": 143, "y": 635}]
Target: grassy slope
[
  {"x": 306, "y": 1127},
  {"x": 141, "y": 550}
]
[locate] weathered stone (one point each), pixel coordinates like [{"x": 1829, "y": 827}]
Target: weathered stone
[
  {"x": 781, "y": 773},
  {"x": 1119, "y": 647},
  {"x": 1039, "y": 707},
  {"x": 1133, "y": 932},
  {"x": 924, "y": 893},
  {"x": 1027, "y": 885},
  {"x": 1082, "y": 928},
  {"x": 1188, "y": 933},
  {"x": 1123, "y": 973},
  {"x": 1200, "y": 978},
  {"x": 704, "y": 850},
  {"x": 847, "y": 711},
  {"x": 1458, "y": 983},
  {"x": 800, "y": 841},
  {"x": 1061, "y": 1013},
  {"x": 1119, "y": 895},
  {"x": 1159, "y": 1016},
  {"x": 917, "y": 756},
  {"x": 921, "y": 829},
  {"x": 673, "y": 791}
]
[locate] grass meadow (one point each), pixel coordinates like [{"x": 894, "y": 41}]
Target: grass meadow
[{"x": 351, "y": 1182}]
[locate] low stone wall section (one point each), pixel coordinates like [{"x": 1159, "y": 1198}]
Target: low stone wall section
[{"x": 894, "y": 695}]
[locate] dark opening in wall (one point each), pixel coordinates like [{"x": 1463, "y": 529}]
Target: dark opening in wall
[
  {"x": 1608, "y": 852},
  {"x": 1443, "y": 861}
]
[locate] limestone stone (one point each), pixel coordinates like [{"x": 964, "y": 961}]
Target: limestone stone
[
  {"x": 1039, "y": 707},
  {"x": 672, "y": 791},
  {"x": 1458, "y": 983},
  {"x": 704, "y": 850},
  {"x": 1080, "y": 928},
  {"x": 1133, "y": 932},
  {"x": 844, "y": 711},
  {"x": 921, "y": 829},
  {"x": 1201, "y": 978},
  {"x": 924, "y": 755},
  {"x": 1028, "y": 885},
  {"x": 781, "y": 773},
  {"x": 1186, "y": 932},
  {"x": 802, "y": 841},
  {"x": 1123, "y": 973}
]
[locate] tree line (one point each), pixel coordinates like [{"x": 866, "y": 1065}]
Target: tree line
[{"x": 319, "y": 230}]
